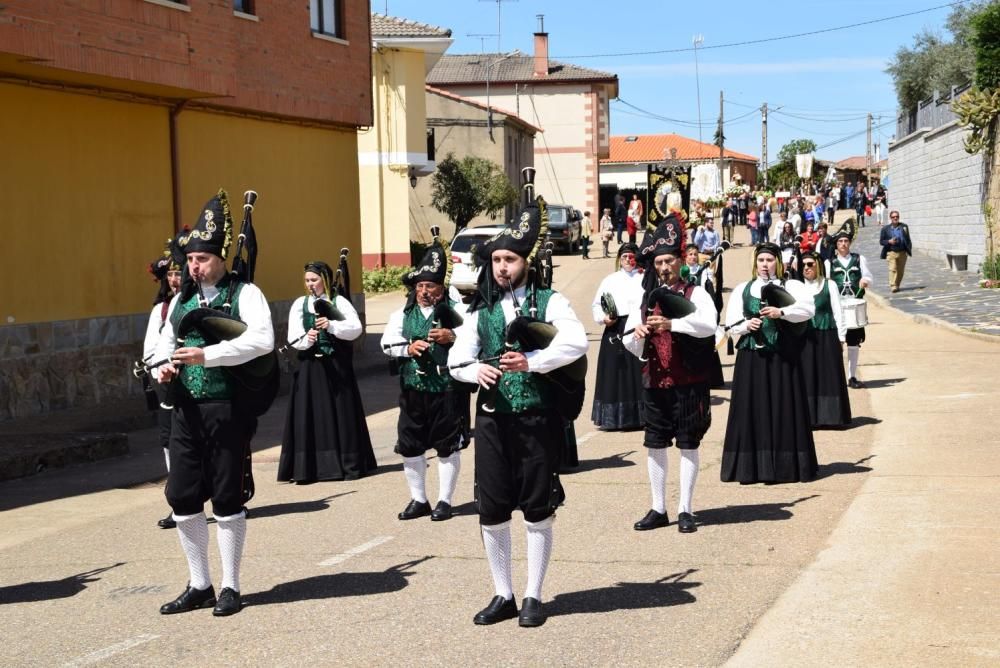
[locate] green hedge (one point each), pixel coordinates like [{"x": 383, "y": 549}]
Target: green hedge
[
  {"x": 383, "y": 279},
  {"x": 986, "y": 45}
]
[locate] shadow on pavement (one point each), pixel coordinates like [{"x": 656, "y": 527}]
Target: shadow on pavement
[
  {"x": 30, "y": 592},
  {"x": 613, "y": 462},
  {"x": 665, "y": 592},
  {"x": 756, "y": 512},
  {"x": 842, "y": 468},
  {"x": 336, "y": 585},
  {"x": 467, "y": 508},
  {"x": 884, "y": 382},
  {"x": 294, "y": 507}
]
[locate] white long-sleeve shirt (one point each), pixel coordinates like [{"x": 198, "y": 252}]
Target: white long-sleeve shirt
[
  {"x": 347, "y": 329},
  {"x": 569, "y": 344},
  {"x": 152, "y": 338},
  {"x": 257, "y": 340},
  {"x": 700, "y": 324},
  {"x": 394, "y": 329},
  {"x": 866, "y": 274},
  {"x": 626, "y": 289},
  {"x": 815, "y": 287},
  {"x": 803, "y": 309}
]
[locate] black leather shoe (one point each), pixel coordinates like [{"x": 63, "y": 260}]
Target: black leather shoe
[
  {"x": 167, "y": 522},
  {"x": 191, "y": 599},
  {"x": 685, "y": 523},
  {"x": 442, "y": 511},
  {"x": 531, "y": 613},
  {"x": 415, "y": 509},
  {"x": 854, "y": 383},
  {"x": 229, "y": 603},
  {"x": 652, "y": 520},
  {"x": 498, "y": 610}
]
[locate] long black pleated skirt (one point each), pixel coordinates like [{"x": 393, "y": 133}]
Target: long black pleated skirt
[
  {"x": 618, "y": 390},
  {"x": 326, "y": 435},
  {"x": 826, "y": 383},
  {"x": 768, "y": 436}
]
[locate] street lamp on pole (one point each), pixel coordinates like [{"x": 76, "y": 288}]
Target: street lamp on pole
[{"x": 697, "y": 40}]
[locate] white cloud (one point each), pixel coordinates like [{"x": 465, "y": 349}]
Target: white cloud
[{"x": 838, "y": 65}]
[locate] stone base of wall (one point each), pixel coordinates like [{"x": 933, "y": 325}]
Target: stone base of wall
[{"x": 52, "y": 366}]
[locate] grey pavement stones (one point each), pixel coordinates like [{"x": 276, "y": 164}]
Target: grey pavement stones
[{"x": 930, "y": 289}]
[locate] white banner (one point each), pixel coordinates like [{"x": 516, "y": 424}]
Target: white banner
[
  {"x": 705, "y": 181},
  {"x": 804, "y": 165}
]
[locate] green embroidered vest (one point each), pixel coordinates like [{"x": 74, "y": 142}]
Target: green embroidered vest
[
  {"x": 324, "y": 342},
  {"x": 852, "y": 272},
  {"x": 422, "y": 373},
  {"x": 824, "y": 311},
  {"x": 765, "y": 338},
  {"x": 518, "y": 391},
  {"x": 202, "y": 382}
]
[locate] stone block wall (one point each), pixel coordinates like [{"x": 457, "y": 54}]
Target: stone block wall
[
  {"x": 51, "y": 366},
  {"x": 938, "y": 189}
]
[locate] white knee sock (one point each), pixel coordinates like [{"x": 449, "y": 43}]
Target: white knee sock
[
  {"x": 689, "y": 475},
  {"x": 231, "y": 534},
  {"x": 415, "y": 469},
  {"x": 448, "y": 468},
  {"x": 852, "y": 361},
  {"x": 496, "y": 540},
  {"x": 539, "y": 551},
  {"x": 193, "y": 532},
  {"x": 656, "y": 464},
  {"x": 166, "y": 456}
]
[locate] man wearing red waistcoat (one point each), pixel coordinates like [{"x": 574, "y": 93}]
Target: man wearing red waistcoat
[{"x": 676, "y": 371}]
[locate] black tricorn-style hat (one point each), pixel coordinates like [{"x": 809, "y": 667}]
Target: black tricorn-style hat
[
  {"x": 213, "y": 232},
  {"x": 668, "y": 237},
  {"x": 523, "y": 236},
  {"x": 171, "y": 259},
  {"x": 435, "y": 266}
]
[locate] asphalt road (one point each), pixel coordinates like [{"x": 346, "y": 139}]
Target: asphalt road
[{"x": 331, "y": 577}]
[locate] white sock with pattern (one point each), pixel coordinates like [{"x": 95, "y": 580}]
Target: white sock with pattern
[
  {"x": 166, "y": 456},
  {"x": 539, "y": 552},
  {"x": 448, "y": 469},
  {"x": 415, "y": 469},
  {"x": 689, "y": 475},
  {"x": 496, "y": 540},
  {"x": 852, "y": 361},
  {"x": 656, "y": 465},
  {"x": 231, "y": 535},
  {"x": 193, "y": 533}
]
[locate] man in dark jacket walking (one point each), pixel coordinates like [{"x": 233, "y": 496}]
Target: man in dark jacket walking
[{"x": 896, "y": 247}]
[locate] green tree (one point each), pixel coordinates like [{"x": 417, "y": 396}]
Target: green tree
[
  {"x": 784, "y": 174},
  {"x": 463, "y": 189},
  {"x": 933, "y": 62}
]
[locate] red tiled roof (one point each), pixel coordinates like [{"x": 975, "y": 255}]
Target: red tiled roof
[
  {"x": 479, "y": 105},
  {"x": 855, "y": 162},
  {"x": 653, "y": 148}
]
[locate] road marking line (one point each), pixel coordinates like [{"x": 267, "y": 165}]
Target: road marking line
[
  {"x": 102, "y": 654},
  {"x": 586, "y": 437},
  {"x": 354, "y": 551}
]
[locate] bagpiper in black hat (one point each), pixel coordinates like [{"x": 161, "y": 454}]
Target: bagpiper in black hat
[
  {"x": 771, "y": 249},
  {"x": 522, "y": 236},
  {"x": 434, "y": 267},
  {"x": 213, "y": 232},
  {"x": 325, "y": 272},
  {"x": 171, "y": 259},
  {"x": 667, "y": 238}
]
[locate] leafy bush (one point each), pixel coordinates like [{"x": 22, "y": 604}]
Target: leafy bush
[
  {"x": 986, "y": 45},
  {"x": 990, "y": 267},
  {"x": 383, "y": 279}
]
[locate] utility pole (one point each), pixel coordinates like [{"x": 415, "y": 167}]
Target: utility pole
[
  {"x": 697, "y": 40},
  {"x": 722, "y": 144},
  {"x": 868, "y": 152},
  {"x": 763, "y": 140}
]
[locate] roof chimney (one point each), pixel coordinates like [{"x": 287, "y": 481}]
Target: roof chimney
[{"x": 541, "y": 48}]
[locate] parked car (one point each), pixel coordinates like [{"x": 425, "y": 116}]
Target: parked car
[
  {"x": 464, "y": 272},
  {"x": 564, "y": 227}
]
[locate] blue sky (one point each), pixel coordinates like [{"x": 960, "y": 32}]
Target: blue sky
[{"x": 818, "y": 87}]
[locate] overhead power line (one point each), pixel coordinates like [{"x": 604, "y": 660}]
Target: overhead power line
[{"x": 765, "y": 39}]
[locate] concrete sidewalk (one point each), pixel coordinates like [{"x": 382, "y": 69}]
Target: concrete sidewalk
[{"x": 911, "y": 574}]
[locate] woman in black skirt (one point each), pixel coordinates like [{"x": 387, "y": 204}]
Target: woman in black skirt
[
  {"x": 822, "y": 355},
  {"x": 618, "y": 390},
  {"x": 326, "y": 436},
  {"x": 768, "y": 436}
]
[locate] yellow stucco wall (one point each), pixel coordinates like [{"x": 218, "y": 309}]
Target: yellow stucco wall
[
  {"x": 87, "y": 201},
  {"x": 306, "y": 179},
  {"x": 397, "y": 139},
  {"x": 86, "y": 204}
]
